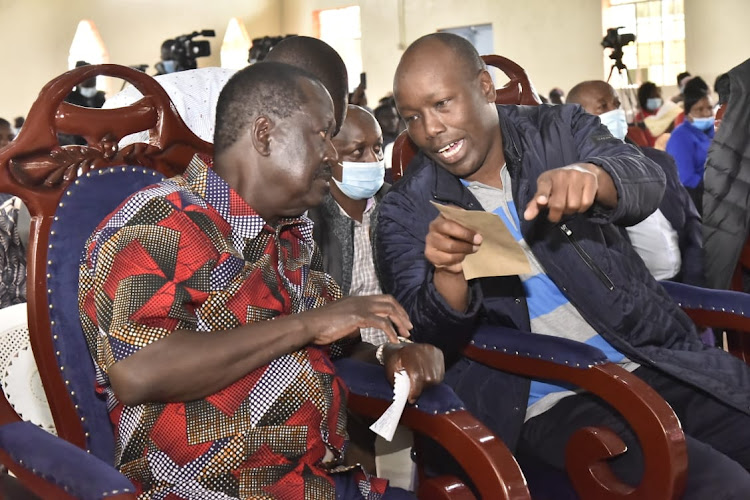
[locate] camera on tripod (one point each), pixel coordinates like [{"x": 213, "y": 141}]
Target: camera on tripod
[
  {"x": 616, "y": 41},
  {"x": 180, "y": 53}
]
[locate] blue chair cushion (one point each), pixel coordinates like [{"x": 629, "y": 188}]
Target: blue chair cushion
[{"x": 86, "y": 203}]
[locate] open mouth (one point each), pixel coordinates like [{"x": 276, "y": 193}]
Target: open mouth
[{"x": 450, "y": 150}]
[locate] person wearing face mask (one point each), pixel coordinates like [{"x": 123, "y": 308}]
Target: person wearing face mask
[
  {"x": 649, "y": 101},
  {"x": 344, "y": 220},
  {"x": 669, "y": 240},
  {"x": 689, "y": 142}
]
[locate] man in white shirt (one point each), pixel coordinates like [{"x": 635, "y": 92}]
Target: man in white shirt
[{"x": 669, "y": 241}]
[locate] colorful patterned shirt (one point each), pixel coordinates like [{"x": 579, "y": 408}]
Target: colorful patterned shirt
[{"x": 190, "y": 254}]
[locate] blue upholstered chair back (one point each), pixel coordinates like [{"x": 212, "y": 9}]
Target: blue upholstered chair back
[{"x": 85, "y": 204}]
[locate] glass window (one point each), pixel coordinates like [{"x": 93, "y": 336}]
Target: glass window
[{"x": 341, "y": 29}]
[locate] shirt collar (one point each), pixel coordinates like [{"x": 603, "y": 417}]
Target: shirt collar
[{"x": 245, "y": 222}]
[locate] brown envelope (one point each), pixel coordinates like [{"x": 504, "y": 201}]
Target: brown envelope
[{"x": 499, "y": 254}]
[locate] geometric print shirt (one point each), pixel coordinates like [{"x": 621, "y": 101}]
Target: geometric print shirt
[{"x": 190, "y": 254}]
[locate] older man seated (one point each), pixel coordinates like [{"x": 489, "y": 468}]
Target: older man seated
[{"x": 212, "y": 324}]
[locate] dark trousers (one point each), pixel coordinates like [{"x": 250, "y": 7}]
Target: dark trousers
[{"x": 717, "y": 436}]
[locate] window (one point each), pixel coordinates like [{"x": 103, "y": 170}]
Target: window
[
  {"x": 341, "y": 29},
  {"x": 658, "y": 54},
  {"x": 235, "y": 47}
]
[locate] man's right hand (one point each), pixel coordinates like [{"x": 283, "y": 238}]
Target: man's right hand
[
  {"x": 346, "y": 316},
  {"x": 448, "y": 243},
  {"x": 446, "y": 246}
]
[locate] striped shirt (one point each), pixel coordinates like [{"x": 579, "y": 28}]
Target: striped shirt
[{"x": 550, "y": 312}]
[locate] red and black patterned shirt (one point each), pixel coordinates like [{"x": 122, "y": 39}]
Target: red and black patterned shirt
[{"x": 190, "y": 254}]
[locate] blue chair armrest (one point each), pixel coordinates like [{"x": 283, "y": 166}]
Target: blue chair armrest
[
  {"x": 712, "y": 308},
  {"x": 694, "y": 297},
  {"x": 79, "y": 473},
  {"x": 367, "y": 379},
  {"x": 532, "y": 345}
]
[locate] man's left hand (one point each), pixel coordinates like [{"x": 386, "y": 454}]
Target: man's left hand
[
  {"x": 423, "y": 364},
  {"x": 571, "y": 189}
]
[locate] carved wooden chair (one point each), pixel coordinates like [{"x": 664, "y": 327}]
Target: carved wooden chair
[{"x": 68, "y": 190}]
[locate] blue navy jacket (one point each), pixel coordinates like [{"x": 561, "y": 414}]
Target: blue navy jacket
[{"x": 585, "y": 255}]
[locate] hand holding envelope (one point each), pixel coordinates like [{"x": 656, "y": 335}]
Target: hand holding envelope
[{"x": 498, "y": 255}]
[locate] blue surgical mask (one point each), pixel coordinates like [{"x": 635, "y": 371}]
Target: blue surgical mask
[
  {"x": 653, "y": 103},
  {"x": 360, "y": 181},
  {"x": 170, "y": 65},
  {"x": 88, "y": 92},
  {"x": 616, "y": 122},
  {"x": 703, "y": 123}
]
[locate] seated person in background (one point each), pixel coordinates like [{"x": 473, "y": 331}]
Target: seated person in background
[
  {"x": 343, "y": 225},
  {"x": 556, "y": 96},
  {"x": 208, "y": 396},
  {"x": 344, "y": 221},
  {"x": 14, "y": 239},
  {"x": 560, "y": 183},
  {"x": 726, "y": 198},
  {"x": 389, "y": 121},
  {"x": 195, "y": 92},
  {"x": 689, "y": 142},
  {"x": 6, "y": 133},
  {"x": 682, "y": 79},
  {"x": 669, "y": 240}
]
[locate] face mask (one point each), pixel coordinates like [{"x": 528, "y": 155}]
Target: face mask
[
  {"x": 703, "y": 123},
  {"x": 170, "y": 65},
  {"x": 653, "y": 103},
  {"x": 616, "y": 122},
  {"x": 88, "y": 92},
  {"x": 360, "y": 181}
]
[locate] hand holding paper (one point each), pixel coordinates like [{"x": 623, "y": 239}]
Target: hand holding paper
[{"x": 498, "y": 254}]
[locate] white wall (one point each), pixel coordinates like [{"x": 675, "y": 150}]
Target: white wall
[
  {"x": 716, "y": 38},
  {"x": 37, "y": 35},
  {"x": 557, "y": 42}
]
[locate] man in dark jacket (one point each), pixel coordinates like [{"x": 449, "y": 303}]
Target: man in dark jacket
[
  {"x": 726, "y": 213},
  {"x": 561, "y": 183},
  {"x": 669, "y": 240}
]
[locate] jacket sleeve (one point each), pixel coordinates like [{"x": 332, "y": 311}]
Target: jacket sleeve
[
  {"x": 639, "y": 181},
  {"x": 404, "y": 272}
]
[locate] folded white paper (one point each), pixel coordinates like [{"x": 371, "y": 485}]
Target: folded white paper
[{"x": 386, "y": 425}]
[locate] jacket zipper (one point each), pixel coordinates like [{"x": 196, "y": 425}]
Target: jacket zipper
[{"x": 587, "y": 258}]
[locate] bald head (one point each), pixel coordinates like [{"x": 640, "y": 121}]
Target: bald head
[
  {"x": 322, "y": 61},
  {"x": 594, "y": 96},
  {"x": 461, "y": 50}
]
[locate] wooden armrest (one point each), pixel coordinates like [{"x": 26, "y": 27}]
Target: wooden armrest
[{"x": 651, "y": 418}]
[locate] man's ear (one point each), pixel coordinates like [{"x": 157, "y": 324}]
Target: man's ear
[
  {"x": 261, "y": 135},
  {"x": 487, "y": 86}
]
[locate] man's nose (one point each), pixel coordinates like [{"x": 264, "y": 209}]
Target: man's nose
[
  {"x": 330, "y": 154},
  {"x": 433, "y": 125}
]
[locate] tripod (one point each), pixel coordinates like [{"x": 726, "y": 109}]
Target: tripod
[{"x": 628, "y": 91}]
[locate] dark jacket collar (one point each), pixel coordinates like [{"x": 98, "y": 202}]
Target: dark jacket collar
[{"x": 448, "y": 187}]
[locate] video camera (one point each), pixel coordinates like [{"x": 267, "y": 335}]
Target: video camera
[
  {"x": 184, "y": 52},
  {"x": 616, "y": 41},
  {"x": 262, "y": 46}
]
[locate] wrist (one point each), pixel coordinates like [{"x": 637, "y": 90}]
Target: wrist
[{"x": 387, "y": 349}]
